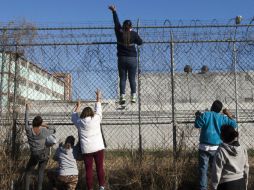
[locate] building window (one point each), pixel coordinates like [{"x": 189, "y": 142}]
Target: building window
[
  {"x": 23, "y": 63},
  {"x": 37, "y": 70},
  {"x": 30, "y": 66},
  {"x": 31, "y": 85},
  {"x": 37, "y": 87},
  {"x": 22, "y": 81},
  {"x": 47, "y": 91},
  {"x": 54, "y": 94}
]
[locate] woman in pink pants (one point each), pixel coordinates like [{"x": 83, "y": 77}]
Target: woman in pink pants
[{"x": 91, "y": 140}]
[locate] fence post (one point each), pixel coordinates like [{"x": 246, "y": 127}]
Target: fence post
[
  {"x": 14, "y": 106},
  {"x": 3, "y": 62},
  {"x": 139, "y": 98},
  {"x": 235, "y": 77},
  {"x": 173, "y": 108}
]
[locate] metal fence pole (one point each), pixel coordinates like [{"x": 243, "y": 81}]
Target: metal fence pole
[
  {"x": 139, "y": 97},
  {"x": 1, "y": 82},
  {"x": 14, "y": 107},
  {"x": 173, "y": 108},
  {"x": 235, "y": 79},
  {"x": 238, "y": 20}
]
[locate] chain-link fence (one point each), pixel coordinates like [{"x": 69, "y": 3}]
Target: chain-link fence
[{"x": 181, "y": 69}]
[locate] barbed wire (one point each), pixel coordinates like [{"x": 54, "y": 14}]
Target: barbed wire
[
  {"x": 88, "y": 55},
  {"x": 194, "y": 30}
]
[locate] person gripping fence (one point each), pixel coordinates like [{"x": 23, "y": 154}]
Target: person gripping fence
[
  {"x": 210, "y": 123},
  {"x": 91, "y": 140},
  {"x": 127, "y": 55},
  {"x": 37, "y": 135}
]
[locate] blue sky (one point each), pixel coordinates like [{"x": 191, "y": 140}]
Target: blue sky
[{"x": 81, "y": 11}]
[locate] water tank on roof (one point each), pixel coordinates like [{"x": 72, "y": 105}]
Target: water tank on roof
[
  {"x": 204, "y": 69},
  {"x": 187, "y": 69}
]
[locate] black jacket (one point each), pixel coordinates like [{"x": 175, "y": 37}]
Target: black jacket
[{"x": 122, "y": 49}]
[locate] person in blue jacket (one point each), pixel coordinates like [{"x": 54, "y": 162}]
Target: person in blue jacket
[
  {"x": 127, "y": 55},
  {"x": 210, "y": 123}
]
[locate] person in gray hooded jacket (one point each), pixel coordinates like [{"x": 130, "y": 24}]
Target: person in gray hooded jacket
[
  {"x": 37, "y": 135},
  {"x": 230, "y": 166}
]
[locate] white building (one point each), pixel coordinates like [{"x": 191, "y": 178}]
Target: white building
[{"x": 22, "y": 80}]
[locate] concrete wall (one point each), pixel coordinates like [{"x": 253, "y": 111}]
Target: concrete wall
[{"x": 197, "y": 88}]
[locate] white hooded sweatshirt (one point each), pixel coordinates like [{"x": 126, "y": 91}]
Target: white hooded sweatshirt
[{"x": 230, "y": 163}]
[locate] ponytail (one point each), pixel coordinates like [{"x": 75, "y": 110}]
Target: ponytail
[
  {"x": 127, "y": 25},
  {"x": 126, "y": 37}
]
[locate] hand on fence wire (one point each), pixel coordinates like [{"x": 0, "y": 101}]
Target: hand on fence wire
[
  {"x": 198, "y": 113},
  {"x": 112, "y": 7},
  {"x": 228, "y": 113},
  {"x": 44, "y": 125},
  {"x": 28, "y": 106},
  {"x": 77, "y": 106},
  {"x": 98, "y": 95}
]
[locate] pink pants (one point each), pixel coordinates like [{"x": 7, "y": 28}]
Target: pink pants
[{"x": 99, "y": 159}]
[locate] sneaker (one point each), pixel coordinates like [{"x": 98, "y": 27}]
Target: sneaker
[
  {"x": 122, "y": 99},
  {"x": 133, "y": 98},
  {"x": 101, "y": 188}
]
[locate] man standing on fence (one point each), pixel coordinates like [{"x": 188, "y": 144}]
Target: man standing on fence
[{"x": 210, "y": 123}]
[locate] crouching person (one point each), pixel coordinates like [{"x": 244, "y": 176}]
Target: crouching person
[
  {"x": 65, "y": 177},
  {"x": 36, "y": 136}
]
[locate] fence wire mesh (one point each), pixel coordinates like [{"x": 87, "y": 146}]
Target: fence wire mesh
[{"x": 181, "y": 69}]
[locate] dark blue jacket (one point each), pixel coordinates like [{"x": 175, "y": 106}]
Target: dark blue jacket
[{"x": 122, "y": 49}]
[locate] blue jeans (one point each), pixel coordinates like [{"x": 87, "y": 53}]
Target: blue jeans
[
  {"x": 127, "y": 65},
  {"x": 205, "y": 159}
]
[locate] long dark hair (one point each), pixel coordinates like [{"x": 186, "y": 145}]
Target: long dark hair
[
  {"x": 37, "y": 121},
  {"x": 87, "y": 112},
  {"x": 127, "y": 25}
]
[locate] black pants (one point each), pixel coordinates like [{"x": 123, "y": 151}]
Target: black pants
[
  {"x": 33, "y": 161},
  {"x": 233, "y": 185}
]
